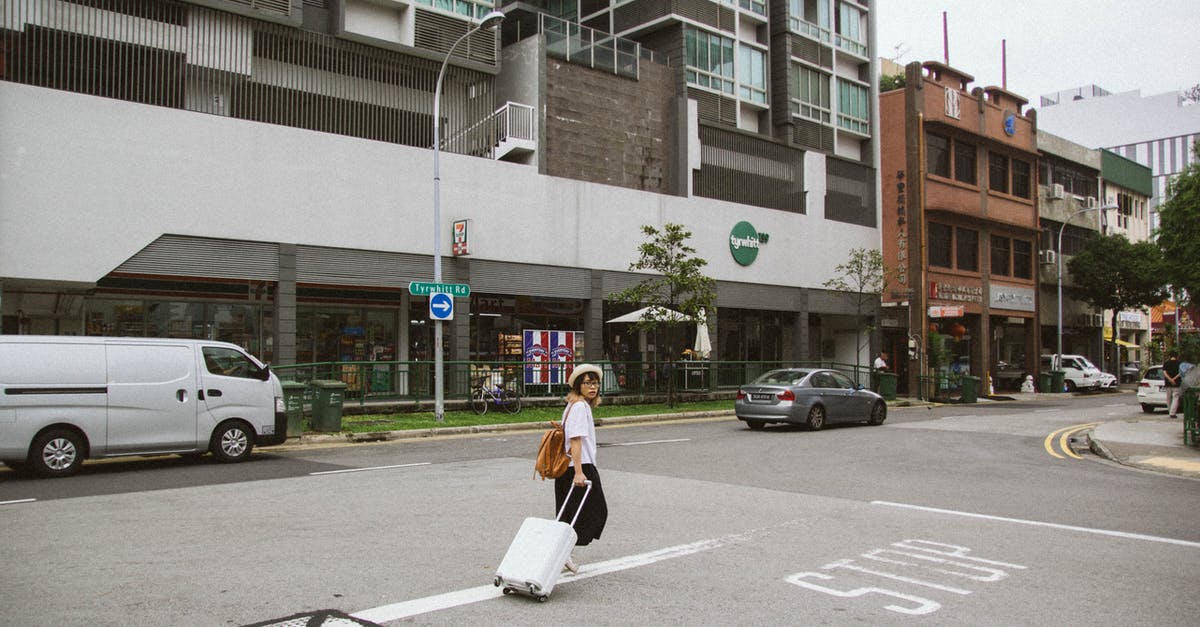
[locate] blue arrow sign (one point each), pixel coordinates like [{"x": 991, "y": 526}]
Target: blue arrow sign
[{"x": 441, "y": 306}]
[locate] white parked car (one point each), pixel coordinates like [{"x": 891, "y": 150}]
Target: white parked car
[
  {"x": 1150, "y": 393},
  {"x": 1079, "y": 373}
]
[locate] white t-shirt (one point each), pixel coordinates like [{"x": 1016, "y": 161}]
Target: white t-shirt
[
  {"x": 880, "y": 364},
  {"x": 578, "y": 423}
]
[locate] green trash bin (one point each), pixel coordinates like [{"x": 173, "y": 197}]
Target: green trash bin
[
  {"x": 1058, "y": 379},
  {"x": 887, "y": 385},
  {"x": 293, "y": 402},
  {"x": 970, "y": 389},
  {"x": 328, "y": 397},
  {"x": 1045, "y": 382},
  {"x": 1191, "y": 416}
]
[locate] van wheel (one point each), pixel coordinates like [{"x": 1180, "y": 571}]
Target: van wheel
[
  {"x": 57, "y": 453},
  {"x": 232, "y": 442},
  {"x": 1070, "y": 387}
]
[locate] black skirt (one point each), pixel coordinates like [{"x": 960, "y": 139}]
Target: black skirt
[{"x": 595, "y": 510}]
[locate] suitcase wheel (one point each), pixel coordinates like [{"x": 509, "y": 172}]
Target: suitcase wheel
[
  {"x": 496, "y": 582},
  {"x": 508, "y": 590},
  {"x": 542, "y": 598}
]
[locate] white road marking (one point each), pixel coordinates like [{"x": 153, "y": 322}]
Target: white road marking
[
  {"x": 338, "y": 472},
  {"x": 1038, "y": 523},
  {"x": 405, "y": 609},
  {"x": 1119, "y": 405},
  {"x": 17, "y": 501},
  {"x": 650, "y": 442}
]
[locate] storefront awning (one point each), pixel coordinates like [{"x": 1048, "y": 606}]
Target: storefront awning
[{"x": 1108, "y": 338}]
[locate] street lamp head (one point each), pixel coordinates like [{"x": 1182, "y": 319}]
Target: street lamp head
[{"x": 491, "y": 20}]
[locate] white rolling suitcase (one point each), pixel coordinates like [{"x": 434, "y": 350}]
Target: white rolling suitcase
[{"x": 536, "y": 556}]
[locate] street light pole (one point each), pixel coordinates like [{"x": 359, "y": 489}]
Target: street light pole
[
  {"x": 1058, "y": 356},
  {"x": 491, "y": 20}
]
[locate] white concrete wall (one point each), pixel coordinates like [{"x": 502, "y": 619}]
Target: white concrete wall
[{"x": 86, "y": 182}]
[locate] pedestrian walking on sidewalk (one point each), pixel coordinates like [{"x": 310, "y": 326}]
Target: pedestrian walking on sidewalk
[
  {"x": 579, "y": 427},
  {"x": 1171, "y": 380}
]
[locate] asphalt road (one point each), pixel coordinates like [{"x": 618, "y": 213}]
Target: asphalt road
[{"x": 963, "y": 515}]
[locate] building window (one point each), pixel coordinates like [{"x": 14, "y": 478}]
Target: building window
[
  {"x": 853, "y": 107},
  {"x": 964, "y": 162},
  {"x": 937, "y": 155},
  {"x": 810, "y": 93},
  {"x": 966, "y": 247},
  {"x": 939, "y": 245},
  {"x": 1022, "y": 259},
  {"x": 997, "y": 172},
  {"x": 1001, "y": 256},
  {"x": 810, "y": 17},
  {"x": 709, "y": 60},
  {"x": 1020, "y": 179},
  {"x": 850, "y": 35},
  {"x": 752, "y": 74}
]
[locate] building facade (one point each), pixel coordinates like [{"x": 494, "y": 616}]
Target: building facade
[
  {"x": 960, "y": 227},
  {"x": 261, "y": 172}
]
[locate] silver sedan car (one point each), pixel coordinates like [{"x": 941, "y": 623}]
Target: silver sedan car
[{"x": 810, "y": 396}]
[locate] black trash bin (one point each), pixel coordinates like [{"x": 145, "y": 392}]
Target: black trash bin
[
  {"x": 1045, "y": 382},
  {"x": 293, "y": 402},
  {"x": 328, "y": 397}
]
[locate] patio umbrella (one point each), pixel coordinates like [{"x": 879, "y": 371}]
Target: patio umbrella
[
  {"x": 652, "y": 312},
  {"x": 703, "y": 345}
]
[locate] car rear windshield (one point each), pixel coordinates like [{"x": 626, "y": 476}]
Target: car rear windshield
[{"x": 781, "y": 377}]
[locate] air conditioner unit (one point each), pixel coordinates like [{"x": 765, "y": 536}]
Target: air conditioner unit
[
  {"x": 1090, "y": 202},
  {"x": 1047, "y": 257},
  {"x": 1057, "y": 191}
]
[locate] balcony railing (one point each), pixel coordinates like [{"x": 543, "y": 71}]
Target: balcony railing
[{"x": 510, "y": 128}]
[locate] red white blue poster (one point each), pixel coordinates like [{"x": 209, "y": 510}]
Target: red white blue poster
[{"x": 550, "y": 355}]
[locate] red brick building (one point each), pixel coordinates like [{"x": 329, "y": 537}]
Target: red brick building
[{"x": 960, "y": 225}]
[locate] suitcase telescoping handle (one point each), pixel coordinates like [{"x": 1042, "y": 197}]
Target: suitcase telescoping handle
[{"x": 568, "y": 500}]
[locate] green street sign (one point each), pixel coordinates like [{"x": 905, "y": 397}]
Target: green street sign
[{"x": 425, "y": 289}]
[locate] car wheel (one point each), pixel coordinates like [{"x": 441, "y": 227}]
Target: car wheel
[
  {"x": 57, "y": 453},
  {"x": 1147, "y": 409},
  {"x": 878, "y": 414},
  {"x": 756, "y": 425},
  {"x": 232, "y": 442},
  {"x": 816, "y": 418}
]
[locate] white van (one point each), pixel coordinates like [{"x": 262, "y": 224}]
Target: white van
[
  {"x": 65, "y": 399},
  {"x": 1080, "y": 374}
]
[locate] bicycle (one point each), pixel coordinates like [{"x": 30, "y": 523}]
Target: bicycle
[{"x": 485, "y": 395}]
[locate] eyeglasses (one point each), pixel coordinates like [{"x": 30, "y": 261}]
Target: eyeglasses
[{"x": 594, "y": 384}]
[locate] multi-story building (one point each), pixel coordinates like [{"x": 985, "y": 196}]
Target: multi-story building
[
  {"x": 261, "y": 172},
  {"x": 960, "y": 224},
  {"x": 1156, "y": 131},
  {"x": 1083, "y": 193}
]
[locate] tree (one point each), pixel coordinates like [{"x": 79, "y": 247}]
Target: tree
[
  {"x": 863, "y": 275},
  {"x": 679, "y": 285},
  {"x": 890, "y": 82},
  {"x": 1178, "y": 232},
  {"x": 1112, "y": 273}
]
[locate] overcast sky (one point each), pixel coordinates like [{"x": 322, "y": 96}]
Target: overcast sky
[{"x": 1120, "y": 45}]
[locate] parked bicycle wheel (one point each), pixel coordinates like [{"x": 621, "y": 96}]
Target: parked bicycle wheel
[
  {"x": 511, "y": 402},
  {"x": 479, "y": 401}
]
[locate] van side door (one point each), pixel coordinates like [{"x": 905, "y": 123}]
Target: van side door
[
  {"x": 151, "y": 398},
  {"x": 233, "y": 386}
]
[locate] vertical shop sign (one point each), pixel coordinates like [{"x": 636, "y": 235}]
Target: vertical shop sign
[
  {"x": 550, "y": 355},
  {"x": 901, "y": 230},
  {"x": 460, "y": 245}
]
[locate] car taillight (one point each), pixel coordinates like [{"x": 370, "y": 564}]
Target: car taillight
[
  {"x": 741, "y": 395},
  {"x": 786, "y": 395},
  {"x": 1143, "y": 384}
]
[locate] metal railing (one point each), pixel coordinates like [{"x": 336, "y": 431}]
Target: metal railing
[
  {"x": 513, "y": 121},
  {"x": 401, "y": 382}
]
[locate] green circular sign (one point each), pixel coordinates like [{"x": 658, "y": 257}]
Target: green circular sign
[{"x": 743, "y": 243}]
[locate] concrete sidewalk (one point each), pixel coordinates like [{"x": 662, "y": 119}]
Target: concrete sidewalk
[{"x": 1150, "y": 443}]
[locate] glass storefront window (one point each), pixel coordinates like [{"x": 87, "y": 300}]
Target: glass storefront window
[
  {"x": 241, "y": 324},
  {"x": 345, "y": 334},
  {"x": 497, "y": 323}
]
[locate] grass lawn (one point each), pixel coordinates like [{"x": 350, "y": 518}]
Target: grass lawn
[{"x": 368, "y": 423}]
